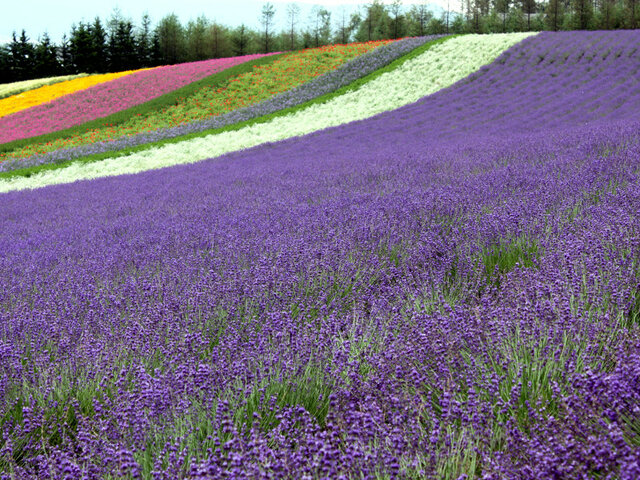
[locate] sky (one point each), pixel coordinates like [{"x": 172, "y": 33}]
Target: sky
[{"x": 56, "y": 17}]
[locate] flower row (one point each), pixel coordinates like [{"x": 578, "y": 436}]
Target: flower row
[
  {"x": 15, "y": 88},
  {"x": 109, "y": 97},
  {"x": 246, "y": 89},
  {"x": 47, "y": 94},
  {"x": 435, "y": 292},
  {"x": 438, "y": 67}
]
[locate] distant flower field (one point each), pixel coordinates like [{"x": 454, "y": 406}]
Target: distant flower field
[
  {"x": 49, "y": 93},
  {"x": 414, "y": 79},
  {"x": 431, "y": 272},
  {"x": 342, "y": 77},
  {"x": 107, "y": 97},
  {"x": 246, "y": 89}
]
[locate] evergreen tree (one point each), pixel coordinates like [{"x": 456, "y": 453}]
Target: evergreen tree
[
  {"x": 144, "y": 42},
  {"x": 583, "y": 14},
  {"x": 554, "y": 15},
  {"x": 171, "y": 40},
  {"x": 5, "y": 65},
  {"x": 632, "y": 10},
  {"x": 46, "y": 58},
  {"x": 345, "y": 29},
  {"x": 65, "y": 59},
  {"x": 196, "y": 39},
  {"x": 99, "y": 51},
  {"x": 320, "y": 26},
  {"x": 81, "y": 48},
  {"x": 436, "y": 26},
  {"x": 240, "y": 40},
  {"x": 502, "y": 8},
  {"x": 122, "y": 46},
  {"x": 156, "y": 52},
  {"x": 374, "y": 24},
  {"x": 218, "y": 38},
  {"x": 22, "y": 54},
  {"x": 457, "y": 25}
]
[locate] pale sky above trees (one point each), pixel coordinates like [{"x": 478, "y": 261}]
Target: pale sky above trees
[{"x": 56, "y": 18}]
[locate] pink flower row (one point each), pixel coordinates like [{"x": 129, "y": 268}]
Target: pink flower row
[{"x": 109, "y": 97}]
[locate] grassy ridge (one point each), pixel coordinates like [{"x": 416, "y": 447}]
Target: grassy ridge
[
  {"x": 29, "y": 171},
  {"x": 167, "y": 100}
]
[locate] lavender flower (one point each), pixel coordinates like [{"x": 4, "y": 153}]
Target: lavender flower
[{"x": 448, "y": 289}]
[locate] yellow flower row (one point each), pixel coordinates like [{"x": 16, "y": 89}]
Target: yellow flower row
[
  {"x": 9, "y": 89},
  {"x": 47, "y": 93}
]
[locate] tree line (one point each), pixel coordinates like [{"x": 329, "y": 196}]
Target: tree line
[{"x": 118, "y": 44}]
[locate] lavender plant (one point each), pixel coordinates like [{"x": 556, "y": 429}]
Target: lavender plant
[{"x": 418, "y": 295}]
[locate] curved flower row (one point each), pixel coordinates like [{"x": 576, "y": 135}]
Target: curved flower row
[
  {"x": 353, "y": 70},
  {"x": 438, "y": 67},
  {"x": 48, "y": 94},
  {"x": 371, "y": 301},
  {"x": 15, "y": 88},
  {"x": 244, "y": 90},
  {"x": 110, "y": 97}
]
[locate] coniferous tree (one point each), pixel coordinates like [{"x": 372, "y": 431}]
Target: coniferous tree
[
  {"x": 374, "y": 24},
  {"x": 320, "y": 23},
  {"x": 144, "y": 42},
  {"x": 475, "y": 15},
  {"x": 65, "y": 59},
  {"x": 632, "y": 11},
  {"x": 5, "y": 65},
  {"x": 240, "y": 40},
  {"x": 196, "y": 39},
  {"x": 604, "y": 16},
  {"x": 81, "y": 48},
  {"x": 21, "y": 57},
  {"x": 554, "y": 16},
  {"x": 502, "y": 8},
  {"x": 46, "y": 58},
  {"x": 156, "y": 52},
  {"x": 436, "y": 26},
  {"x": 447, "y": 17},
  {"x": 457, "y": 25},
  {"x": 121, "y": 43},
  {"x": 218, "y": 39},
  {"x": 98, "y": 60},
  {"x": 171, "y": 39},
  {"x": 346, "y": 27}
]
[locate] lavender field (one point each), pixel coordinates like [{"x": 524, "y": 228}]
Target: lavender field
[{"x": 449, "y": 290}]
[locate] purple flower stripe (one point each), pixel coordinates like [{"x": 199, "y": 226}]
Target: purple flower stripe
[
  {"x": 449, "y": 289},
  {"x": 109, "y": 97}
]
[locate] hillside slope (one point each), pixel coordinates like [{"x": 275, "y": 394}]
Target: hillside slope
[
  {"x": 447, "y": 290},
  {"x": 410, "y": 81}
]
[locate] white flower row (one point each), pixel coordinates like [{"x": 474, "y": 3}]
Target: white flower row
[{"x": 437, "y": 68}]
